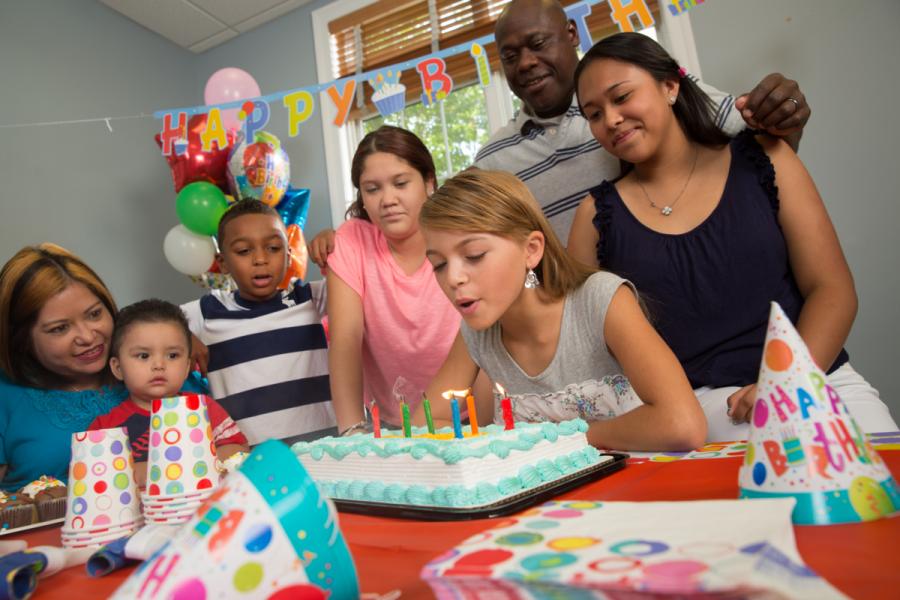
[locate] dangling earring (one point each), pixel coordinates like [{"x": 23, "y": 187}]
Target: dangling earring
[{"x": 531, "y": 280}]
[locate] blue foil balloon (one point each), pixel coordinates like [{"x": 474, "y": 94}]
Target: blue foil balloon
[{"x": 294, "y": 206}]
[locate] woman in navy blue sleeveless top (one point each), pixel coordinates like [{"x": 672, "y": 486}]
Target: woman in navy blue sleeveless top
[{"x": 710, "y": 234}]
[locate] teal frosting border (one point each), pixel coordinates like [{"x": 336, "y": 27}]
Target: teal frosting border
[
  {"x": 451, "y": 452},
  {"x": 835, "y": 506}
]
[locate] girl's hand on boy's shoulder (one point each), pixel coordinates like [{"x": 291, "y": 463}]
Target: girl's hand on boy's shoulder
[
  {"x": 320, "y": 247},
  {"x": 740, "y": 404}
]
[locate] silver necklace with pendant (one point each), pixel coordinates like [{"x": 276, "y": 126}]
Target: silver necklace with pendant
[{"x": 667, "y": 209}]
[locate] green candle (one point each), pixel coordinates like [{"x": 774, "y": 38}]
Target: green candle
[
  {"x": 407, "y": 430},
  {"x": 427, "y": 405}
]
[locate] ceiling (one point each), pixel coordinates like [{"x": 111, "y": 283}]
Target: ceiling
[{"x": 198, "y": 25}]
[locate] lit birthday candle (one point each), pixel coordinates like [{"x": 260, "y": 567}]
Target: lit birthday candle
[
  {"x": 427, "y": 406},
  {"x": 481, "y": 62},
  {"x": 376, "y": 419},
  {"x": 505, "y": 408},
  {"x": 473, "y": 415},
  {"x": 407, "y": 429},
  {"x": 454, "y": 409}
]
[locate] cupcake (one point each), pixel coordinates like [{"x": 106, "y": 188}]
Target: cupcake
[
  {"x": 16, "y": 510},
  {"x": 389, "y": 94},
  {"x": 49, "y": 496}
]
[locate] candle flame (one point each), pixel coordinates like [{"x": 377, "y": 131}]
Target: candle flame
[
  {"x": 500, "y": 389},
  {"x": 457, "y": 393}
]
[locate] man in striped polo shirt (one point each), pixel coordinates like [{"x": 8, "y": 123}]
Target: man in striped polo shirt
[{"x": 549, "y": 145}]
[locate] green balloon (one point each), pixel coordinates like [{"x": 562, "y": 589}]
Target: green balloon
[{"x": 199, "y": 206}]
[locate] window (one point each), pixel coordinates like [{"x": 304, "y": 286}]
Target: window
[{"x": 361, "y": 36}]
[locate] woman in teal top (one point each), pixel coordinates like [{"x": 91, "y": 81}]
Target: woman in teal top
[{"x": 56, "y": 319}]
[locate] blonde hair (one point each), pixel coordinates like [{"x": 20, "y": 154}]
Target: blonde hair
[
  {"x": 498, "y": 203},
  {"x": 27, "y": 281}
]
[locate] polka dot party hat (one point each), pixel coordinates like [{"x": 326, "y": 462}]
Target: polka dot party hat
[
  {"x": 804, "y": 444},
  {"x": 265, "y": 533}
]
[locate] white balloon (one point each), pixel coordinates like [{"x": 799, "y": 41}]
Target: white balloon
[{"x": 188, "y": 252}]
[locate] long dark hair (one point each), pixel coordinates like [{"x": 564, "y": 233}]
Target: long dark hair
[
  {"x": 392, "y": 140},
  {"x": 693, "y": 108}
]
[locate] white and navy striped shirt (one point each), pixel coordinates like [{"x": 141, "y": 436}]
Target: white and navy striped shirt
[
  {"x": 268, "y": 361},
  {"x": 560, "y": 161}
]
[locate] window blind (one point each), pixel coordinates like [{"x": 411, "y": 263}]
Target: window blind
[{"x": 388, "y": 32}]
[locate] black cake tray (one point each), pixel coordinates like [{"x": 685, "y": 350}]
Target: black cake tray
[{"x": 506, "y": 506}]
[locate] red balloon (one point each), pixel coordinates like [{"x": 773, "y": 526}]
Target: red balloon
[{"x": 194, "y": 164}]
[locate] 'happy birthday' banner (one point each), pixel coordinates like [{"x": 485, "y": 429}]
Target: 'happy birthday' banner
[{"x": 389, "y": 96}]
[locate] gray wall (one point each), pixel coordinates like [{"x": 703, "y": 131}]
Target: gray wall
[
  {"x": 108, "y": 196},
  {"x": 845, "y": 56}
]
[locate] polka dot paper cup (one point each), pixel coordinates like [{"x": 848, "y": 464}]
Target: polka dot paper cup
[
  {"x": 182, "y": 456},
  {"x": 102, "y": 491},
  {"x": 265, "y": 533}
]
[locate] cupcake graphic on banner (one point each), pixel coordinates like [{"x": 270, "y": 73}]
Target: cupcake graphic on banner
[
  {"x": 804, "y": 443},
  {"x": 390, "y": 94}
]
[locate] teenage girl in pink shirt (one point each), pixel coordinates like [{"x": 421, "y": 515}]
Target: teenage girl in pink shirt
[{"x": 387, "y": 315}]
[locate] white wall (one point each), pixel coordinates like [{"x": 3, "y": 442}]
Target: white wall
[{"x": 846, "y": 56}]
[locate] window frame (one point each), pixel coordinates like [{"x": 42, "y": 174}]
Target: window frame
[{"x": 675, "y": 34}]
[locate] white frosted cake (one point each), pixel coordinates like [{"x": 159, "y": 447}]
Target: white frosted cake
[{"x": 439, "y": 470}]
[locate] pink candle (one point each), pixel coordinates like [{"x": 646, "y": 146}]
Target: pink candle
[{"x": 376, "y": 419}]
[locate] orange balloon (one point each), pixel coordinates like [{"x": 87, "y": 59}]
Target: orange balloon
[
  {"x": 778, "y": 355},
  {"x": 298, "y": 258}
]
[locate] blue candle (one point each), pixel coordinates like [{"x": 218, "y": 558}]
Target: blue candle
[{"x": 457, "y": 422}]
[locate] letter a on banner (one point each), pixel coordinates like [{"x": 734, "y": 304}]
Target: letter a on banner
[
  {"x": 436, "y": 83},
  {"x": 214, "y": 132},
  {"x": 621, "y": 11}
]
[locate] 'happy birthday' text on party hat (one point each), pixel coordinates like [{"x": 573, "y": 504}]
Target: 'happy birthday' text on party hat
[
  {"x": 265, "y": 533},
  {"x": 805, "y": 444}
]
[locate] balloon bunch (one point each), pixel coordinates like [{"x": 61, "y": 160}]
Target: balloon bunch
[{"x": 257, "y": 168}]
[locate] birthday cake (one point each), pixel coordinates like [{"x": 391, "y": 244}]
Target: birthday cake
[{"x": 442, "y": 471}]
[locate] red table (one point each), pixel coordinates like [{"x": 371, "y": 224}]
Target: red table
[{"x": 861, "y": 559}]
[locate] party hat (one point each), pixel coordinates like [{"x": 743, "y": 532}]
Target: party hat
[
  {"x": 804, "y": 444},
  {"x": 265, "y": 533}
]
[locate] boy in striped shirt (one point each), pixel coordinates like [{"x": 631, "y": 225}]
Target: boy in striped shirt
[{"x": 268, "y": 356}]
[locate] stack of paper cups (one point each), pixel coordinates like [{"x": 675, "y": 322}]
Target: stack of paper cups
[
  {"x": 102, "y": 502},
  {"x": 265, "y": 533},
  {"x": 181, "y": 471}
]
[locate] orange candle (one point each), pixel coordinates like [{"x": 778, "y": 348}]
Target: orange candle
[{"x": 473, "y": 416}]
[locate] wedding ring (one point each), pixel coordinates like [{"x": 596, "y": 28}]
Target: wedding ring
[{"x": 796, "y": 103}]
